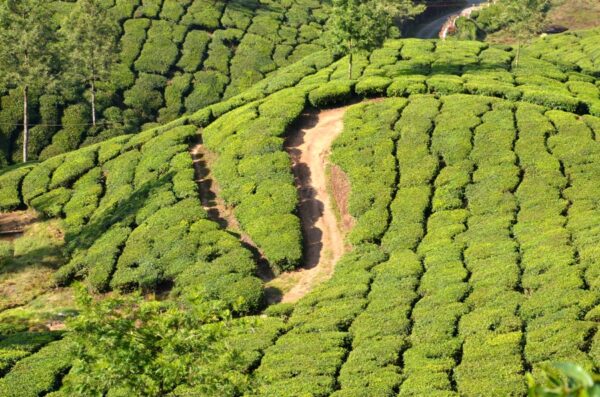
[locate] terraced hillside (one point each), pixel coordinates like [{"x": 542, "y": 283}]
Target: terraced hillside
[
  {"x": 176, "y": 57},
  {"x": 474, "y": 196}
]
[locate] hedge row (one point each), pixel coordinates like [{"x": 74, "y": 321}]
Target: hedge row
[
  {"x": 418, "y": 168},
  {"x": 39, "y": 373},
  {"x": 10, "y": 188},
  {"x": 551, "y": 278},
  {"x": 579, "y": 154},
  {"x": 307, "y": 359},
  {"x": 118, "y": 196},
  {"x": 434, "y": 346},
  {"x": 365, "y": 151},
  {"x": 380, "y": 333},
  {"x": 18, "y": 346},
  {"x": 491, "y": 330},
  {"x": 255, "y": 174},
  {"x": 570, "y": 97}
]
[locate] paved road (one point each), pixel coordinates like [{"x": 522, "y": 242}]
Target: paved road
[{"x": 430, "y": 29}]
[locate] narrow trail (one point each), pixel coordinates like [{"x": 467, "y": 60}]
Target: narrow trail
[{"x": 309, "y": 147}]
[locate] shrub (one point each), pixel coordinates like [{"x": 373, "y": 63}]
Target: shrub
[
  {"x": 372, "y": 86},
  {"x": 238, "y": 14},
  {"x": 10, "y": 188},
  {"x": 39, "y": 373},
  {"x": 74, "y": 121},
  {"x": 550, "y": 99},
  {"x": 176, "y": 89},
  {"x": 334, "y": 92},
  {"x": 160, "y": 51},
  {"x": 146, "y": 95},
  {"x": 36, "y": 182},
  {"x": 51, "y": 203},
  {"x": 445, "y": 84},
  {"x": 409, "y": 85},
  {"x": 194, "y": 50},
  {"x": 208, "y": 87},
  {"x": 172, "y": 10},
  {"x": 133, "y": 39},
  {"x": 84, "y": 200},
  {"x": 221, "y": 49},
  {"x": 149, "y": 8},
  {"x": 204, "y": 14},
  {"x": 74, "y": 165}
]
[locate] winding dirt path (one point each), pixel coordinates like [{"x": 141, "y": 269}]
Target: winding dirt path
[{"x": 309, "y": 147}]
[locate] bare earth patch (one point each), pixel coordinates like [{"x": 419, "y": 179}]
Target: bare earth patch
[
  {"x": 309, "y": 147},
  {"x": 575, "y": 14},
  {"x": 13, "y": 224}
]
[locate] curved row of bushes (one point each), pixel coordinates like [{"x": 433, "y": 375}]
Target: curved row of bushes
[
  {"x": 117, "y": 197},
  {"x": 175, "y": 57}
]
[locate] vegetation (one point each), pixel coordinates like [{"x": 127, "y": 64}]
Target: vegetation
[
  {"x": 29, "y": 40},
  {"x": 127, "y": 345},
  {"x": 472, "y": 264},
  {"x": 174, "y": 57}
]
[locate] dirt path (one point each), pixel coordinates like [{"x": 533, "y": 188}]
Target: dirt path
[
  {"x": 13, "y": 224},
  {"x": 309, "y": 148}
]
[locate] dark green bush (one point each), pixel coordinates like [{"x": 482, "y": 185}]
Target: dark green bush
[
  {"x": 146, "y": 95},
  {"x": 194, "y": 49},
  {"x": 207, "y": 89}
]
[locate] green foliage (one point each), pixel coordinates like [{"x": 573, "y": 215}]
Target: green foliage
[
  {"x": 74, "y": 121},
  {"x": 194, "y": 49},
  {"x": 564, "y": 379},
  {"x": 128, "y": 345},
  {"x": 39, "y": 373},
  {"x": 10, "y": 194},
  {"x": 92, "y": 45},
  {"x": 28, "y": 36},
  {"x": 362, "y": 25},
  {"x": 372, "y": 86},
  {"x": 334, "y": 92}
]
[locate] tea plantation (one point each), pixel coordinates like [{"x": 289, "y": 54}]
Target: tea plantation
[
  {"x": 474, "y": 190},
  {"x": 176, "y": 56}
]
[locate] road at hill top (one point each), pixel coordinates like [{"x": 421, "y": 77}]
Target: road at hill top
[{"x": 309, "y": 147}]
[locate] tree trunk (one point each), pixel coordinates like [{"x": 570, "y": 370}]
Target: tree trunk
[
  {"x": 25, "y": 124},
  {"x": 518, "y": 54},
  {"x": 93, "y": 89},
  {"x": 350, "y": 66}
]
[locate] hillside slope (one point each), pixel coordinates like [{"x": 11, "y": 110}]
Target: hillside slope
[{"x": 475, "y": 203}]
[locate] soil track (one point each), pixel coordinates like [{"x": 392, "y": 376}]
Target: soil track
[
  {"x": 13, "y": 224},
  {"x": 309, "y": 147}
]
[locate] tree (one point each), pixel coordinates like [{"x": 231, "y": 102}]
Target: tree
[
  {"x": 92, "y": 45},
  {"x": 29, "y": 47},
  {"x": 362, "y": 25},
  {"x": 525, "y": 18},
  {"x": 132, "y": 346}
]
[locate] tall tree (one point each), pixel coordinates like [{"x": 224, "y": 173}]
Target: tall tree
[
  {"x": 362, "y": 25},
  {"x": 92, "y": 45},
  {"x": 525, "y": 18},
  {"x": 28, "y": 40}
]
